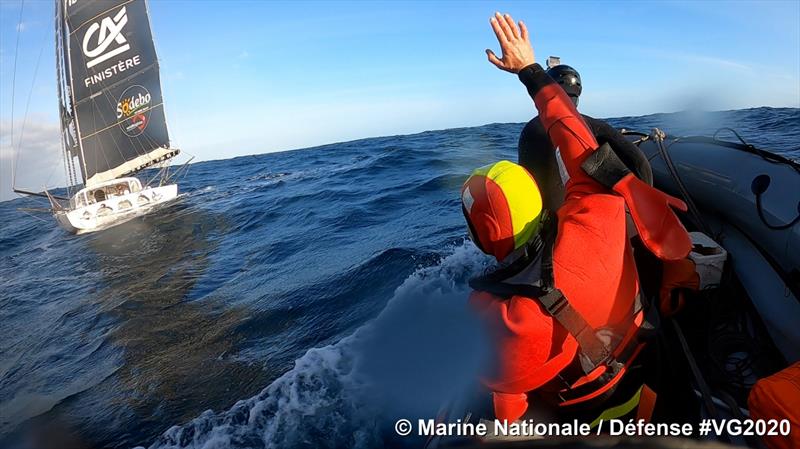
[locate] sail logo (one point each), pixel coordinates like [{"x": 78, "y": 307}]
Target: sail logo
[
  {"x": 133, "y": 110},
  {"x": 108, "y": 32}
]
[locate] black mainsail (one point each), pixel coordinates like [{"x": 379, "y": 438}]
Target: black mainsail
[{"x": 112, "y": 111}]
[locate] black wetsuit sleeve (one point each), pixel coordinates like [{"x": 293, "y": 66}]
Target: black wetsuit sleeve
[
  {"x": 630, "y": 154},
  {"x": 537, "y": 155}
]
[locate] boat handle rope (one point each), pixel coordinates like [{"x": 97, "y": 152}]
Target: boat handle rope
[
  {"x": 738, "y": 136},
  {"x": 760, "y": 185},
  {"x": 766, "y": 155},
  {"x": 658, "y": 137}
]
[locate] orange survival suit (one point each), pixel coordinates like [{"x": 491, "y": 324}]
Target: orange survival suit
[{"x": 593, "y": 271}]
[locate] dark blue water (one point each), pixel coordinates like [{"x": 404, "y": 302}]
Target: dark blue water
[{"x": 298, "y": 299}]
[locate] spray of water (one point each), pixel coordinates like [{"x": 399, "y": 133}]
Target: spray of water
[{"x": 422, "y": 349}]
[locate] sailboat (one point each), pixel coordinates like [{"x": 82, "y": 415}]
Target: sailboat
[{"x": 112, "y": 116}]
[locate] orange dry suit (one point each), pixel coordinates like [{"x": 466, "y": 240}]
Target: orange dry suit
[
  {"x": 776, "y": 400},
  {"x": 592, "y": 318}
]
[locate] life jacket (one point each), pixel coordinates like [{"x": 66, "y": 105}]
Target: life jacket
[
  {"x": 604, "y": 353},
  {"x": 777, "y": 398}
]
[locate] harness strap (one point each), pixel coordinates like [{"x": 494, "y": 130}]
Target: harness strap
[
  {"x": 597, "y": 347},
  {"x": 617, "y": 359},
  {"x": 593, "y": 350}
]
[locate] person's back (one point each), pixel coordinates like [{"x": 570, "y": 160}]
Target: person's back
[
  {"x": 536, "y": 153},
  {"x": 589, "y": 320},
  {"x": 597, "y": 275}
]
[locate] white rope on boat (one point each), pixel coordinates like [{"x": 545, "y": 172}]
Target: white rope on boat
[{"x": 13, "y": 90}]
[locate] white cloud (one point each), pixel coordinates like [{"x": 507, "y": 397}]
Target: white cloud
[
  {"x": 697, "y": 58},
  {"x": 22, "y": 26},
  {"x": 716, "y": 61},
  {"x": 37, "y": 161},
  {"x": 38, "y": 137}
]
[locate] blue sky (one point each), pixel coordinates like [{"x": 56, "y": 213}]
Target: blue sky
[{"x": 244, "y": 77}]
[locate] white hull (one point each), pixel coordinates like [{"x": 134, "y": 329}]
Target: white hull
[{"x": 113, "y": 211}]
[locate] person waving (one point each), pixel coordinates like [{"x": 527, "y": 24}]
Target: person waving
[{"x": 572, "y": 329}]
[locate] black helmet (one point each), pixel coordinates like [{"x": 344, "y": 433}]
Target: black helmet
[{"x": 568, "y": 78}]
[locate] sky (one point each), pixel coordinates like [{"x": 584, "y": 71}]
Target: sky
[{"x": 249, "y": 77}]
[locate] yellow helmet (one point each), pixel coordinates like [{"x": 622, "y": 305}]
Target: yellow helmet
[{"x": 503, "y": 207}]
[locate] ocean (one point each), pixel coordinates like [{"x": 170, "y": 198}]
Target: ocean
[{"x": 297, "y": 299}]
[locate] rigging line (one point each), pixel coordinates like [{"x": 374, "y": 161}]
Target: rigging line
[
  {"x": 63, "y": 102},
  {"x": 67, "y": 170},
  {"x": 33, "y": 216},
  {"x": 102, "y": 153},
  {"x": 118, "y": 122},
  {"x": 158, "y": 62},
  {"x": 69, "y": 83},
  {"x": 106, "y": 91},
  {"x": 13, "y": 90},
  {"x": 135, "y": 143},
  {"x": 28, "y": 105}
]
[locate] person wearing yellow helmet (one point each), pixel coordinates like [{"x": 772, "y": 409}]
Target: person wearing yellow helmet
[
  {"x": 504, "y": 208},
  {"x": 569, "y": 330}
]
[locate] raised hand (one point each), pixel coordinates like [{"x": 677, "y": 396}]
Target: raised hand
[{"x": 514, "y": 44}]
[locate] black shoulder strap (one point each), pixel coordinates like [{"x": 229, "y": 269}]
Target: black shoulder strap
[
  {"x": 593, "y": 349},
  {"x": 492, "y": 282}
]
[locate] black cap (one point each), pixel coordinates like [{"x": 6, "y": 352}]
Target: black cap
[{"x": 568, "y": 78}]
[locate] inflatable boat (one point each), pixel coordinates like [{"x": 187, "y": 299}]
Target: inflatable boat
[{"x": 747, "y": 200}]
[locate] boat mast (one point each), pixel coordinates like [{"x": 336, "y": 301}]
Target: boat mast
[
  {"x": 70, "y": 127},
  {"x": 69, "y": 168}
]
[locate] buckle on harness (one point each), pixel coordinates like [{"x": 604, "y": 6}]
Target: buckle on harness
[{"x": 557, "y": 305}]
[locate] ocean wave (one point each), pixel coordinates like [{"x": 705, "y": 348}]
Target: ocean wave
[
  {"x": 223, "y": 293},
  {"x": 340, "y": 395}
]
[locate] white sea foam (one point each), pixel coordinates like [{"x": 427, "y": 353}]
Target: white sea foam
[{"x": 418, "y": 351}]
